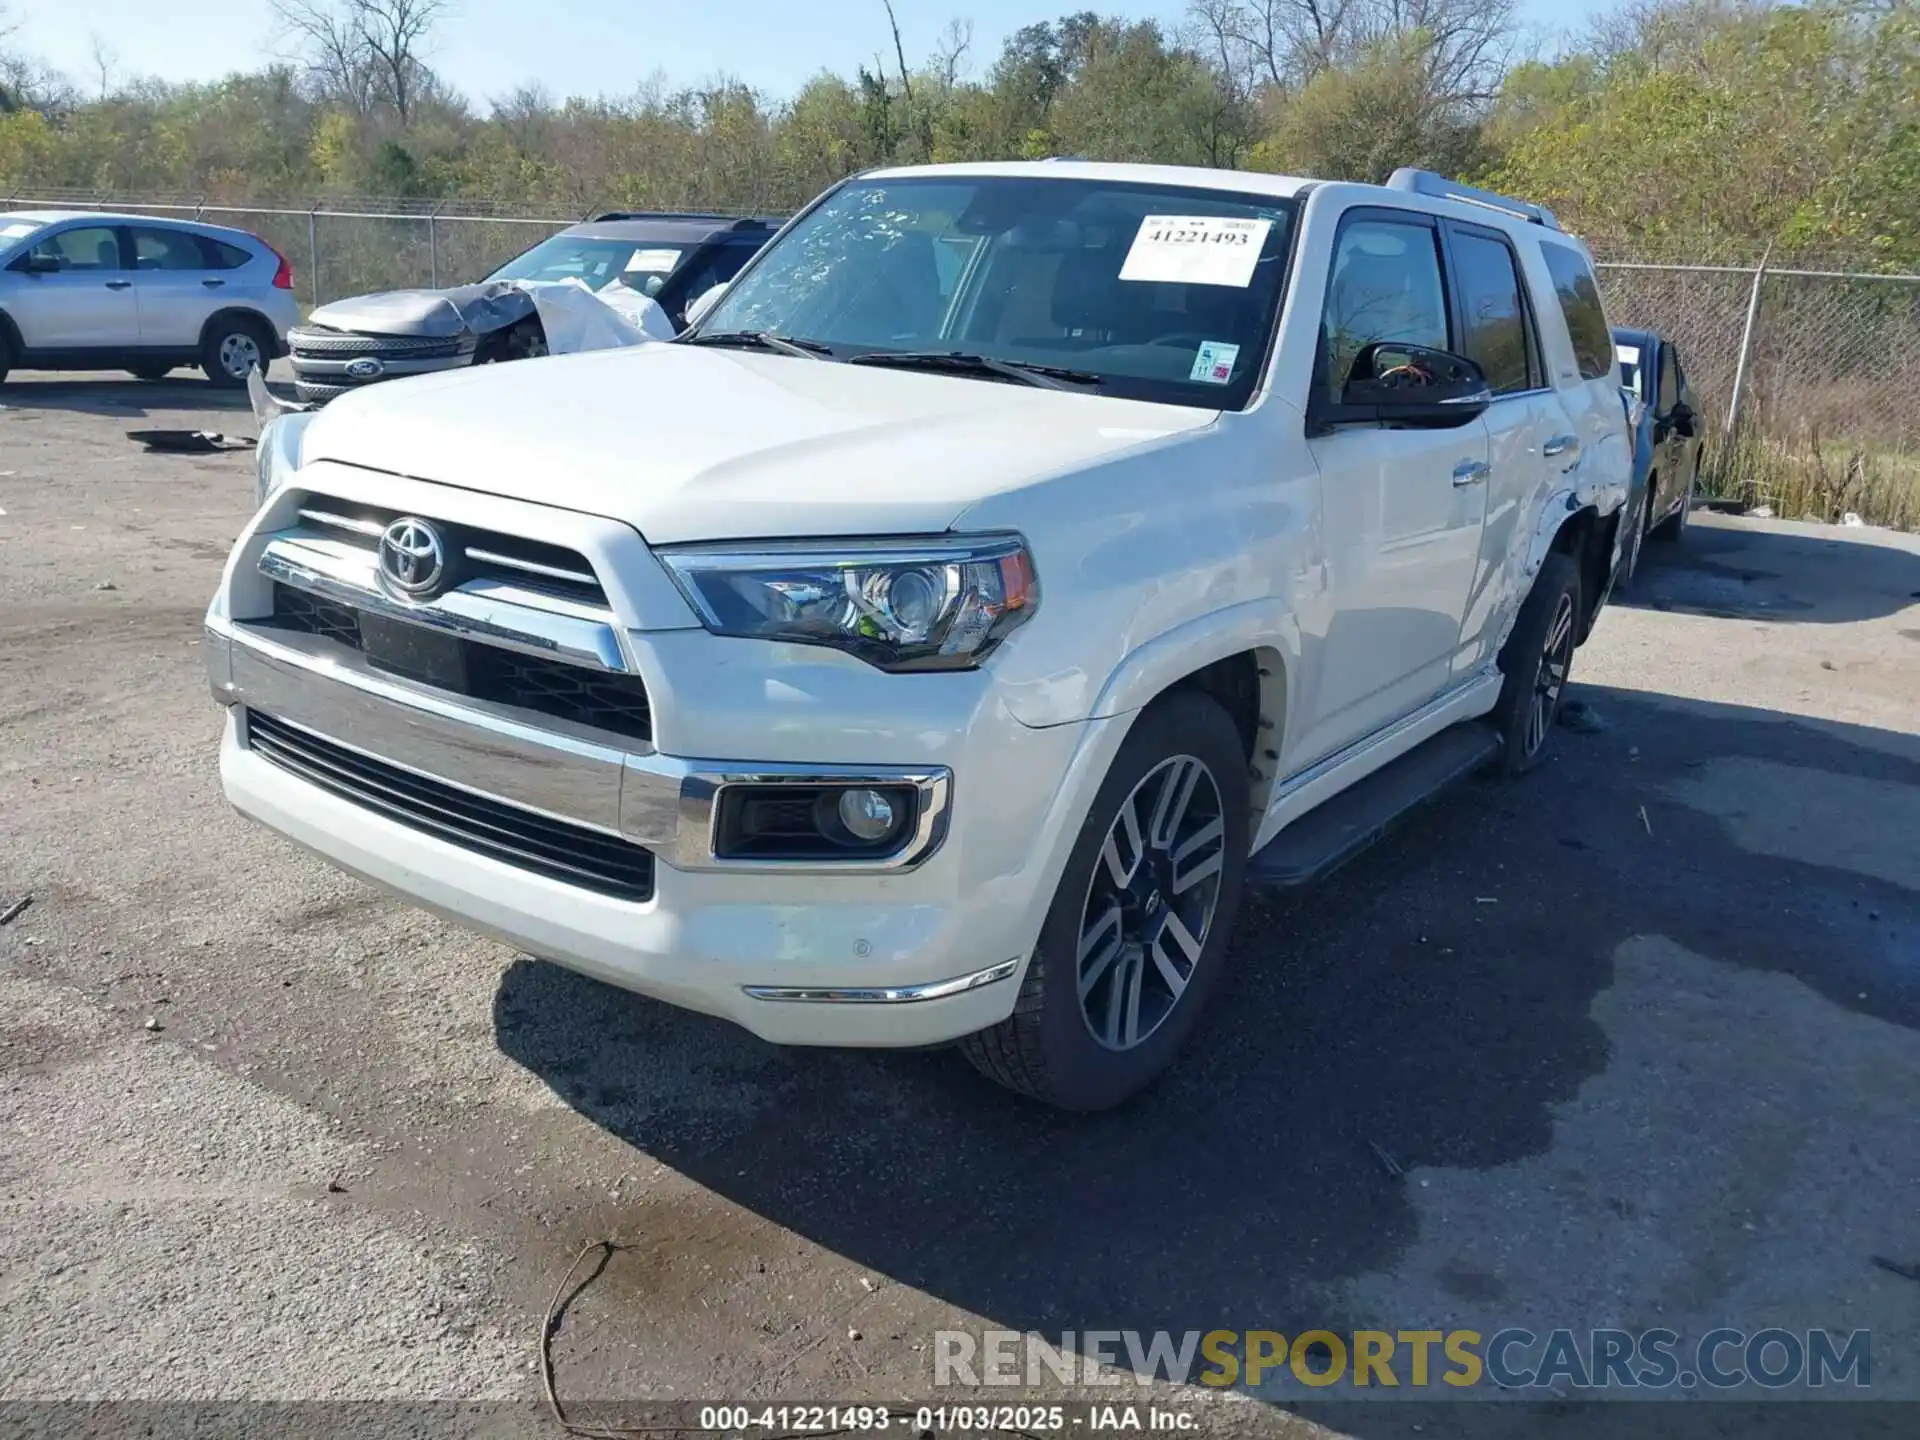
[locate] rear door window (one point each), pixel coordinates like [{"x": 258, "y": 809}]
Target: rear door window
[
  {"x": 1669, "y": 381},
  {"x": 1496, "y": 331},
  {"x": 156, "y": 249},
  {"x": 1579, "y": 296}
]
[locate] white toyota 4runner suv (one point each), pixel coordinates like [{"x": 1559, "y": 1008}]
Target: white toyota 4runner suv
[{"x": 925, "y": 645}]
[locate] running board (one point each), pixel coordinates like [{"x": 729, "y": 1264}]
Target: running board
[{"x": 1326, "y": 837}]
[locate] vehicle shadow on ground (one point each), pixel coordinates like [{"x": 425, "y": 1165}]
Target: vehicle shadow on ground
[
  {"x": 1748, "y": 573},
  {"x": 117, "y": 395},
  {"x": 1427, "y": 1006}
]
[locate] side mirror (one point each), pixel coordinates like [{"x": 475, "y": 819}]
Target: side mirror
[
  {"x": 703, "y": 302},
  {"x": 1684, "y": 422},
  {"x": 1414, "y": 386},
  {"x": 39, "y": 265}
]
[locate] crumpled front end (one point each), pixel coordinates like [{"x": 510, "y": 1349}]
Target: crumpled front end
[{"x": 360, "y": 341}]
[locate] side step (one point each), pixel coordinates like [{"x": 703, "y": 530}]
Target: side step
[{"x": 1325, "y": 838}]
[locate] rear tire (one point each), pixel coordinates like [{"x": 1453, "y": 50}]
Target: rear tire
[
  {"x": 1119, "y": 976},
  {"x": 150, "y": 372},
  {"x": 231, "y": 348},
  {"x": 1536, "y": 660},
  {"x": 1674, "y": 527}
]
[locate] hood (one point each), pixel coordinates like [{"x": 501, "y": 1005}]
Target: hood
[
  {"x": 697, "y": 444},
  {"x": 490, "y": 305}
]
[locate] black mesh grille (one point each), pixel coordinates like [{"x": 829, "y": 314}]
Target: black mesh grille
[
  {"x": 616, "y": 703},
  {"x": 297, "y": 610},
  {"x": 567, "y": 692},
  {"x": 561, "y": 851}
]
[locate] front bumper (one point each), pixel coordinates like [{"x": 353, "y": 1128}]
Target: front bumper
[{"x": 919, "y": 950}]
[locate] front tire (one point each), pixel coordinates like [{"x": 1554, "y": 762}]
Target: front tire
[
  {"x": 1536, "y": 660},
  {"x": 232, "y": 348},
  {"x": 1137, "y": 935}
]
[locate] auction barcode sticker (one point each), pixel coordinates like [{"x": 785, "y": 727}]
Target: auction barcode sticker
[{"x": 1196, "y": 250}]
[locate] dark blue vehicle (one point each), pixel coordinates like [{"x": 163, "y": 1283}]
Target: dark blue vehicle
[{"x": 1669, "y": 439}]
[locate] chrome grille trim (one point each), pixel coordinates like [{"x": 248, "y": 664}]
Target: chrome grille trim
[
  {"x": 565, "y": 772},
  {"x": 496, "y": 614},
  {"x": 326, "y": 518},
  {"x": 482, "y": 549},
  {"x": 532, "y": 567},
  {"x": 558, "y": 849}
]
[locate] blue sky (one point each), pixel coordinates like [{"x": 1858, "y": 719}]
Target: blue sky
[{"x": 488, "y": 47}]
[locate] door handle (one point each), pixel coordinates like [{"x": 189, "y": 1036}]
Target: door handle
[
  {"x": 118, "y": 284},
  {"x": 1471, "y": 472},
  {"x": 213, "y": 284},
  {"x": 1559, "y": 445}
]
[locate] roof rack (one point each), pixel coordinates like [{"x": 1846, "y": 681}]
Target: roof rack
[
  {"x": 723, "y": 222},
  {"x": 1427, "y": 182}
]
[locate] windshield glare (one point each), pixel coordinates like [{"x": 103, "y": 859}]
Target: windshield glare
[
  {"x": 595, "y": 263},
  {"x": 1167, "y": 293}
]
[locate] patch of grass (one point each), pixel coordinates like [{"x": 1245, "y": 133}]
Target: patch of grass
[{"x": 1806, "y": 477}]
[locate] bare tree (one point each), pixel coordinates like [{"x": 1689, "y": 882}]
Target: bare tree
[
  {"x": 363, "y": 52},
  {"x": 394, "y": 33},
  {"x": 950, "y": 55},
  {"x": 327, "y": 38},
  {"x": 104, "y": 57},
  {"x": 900, "y": 54}
]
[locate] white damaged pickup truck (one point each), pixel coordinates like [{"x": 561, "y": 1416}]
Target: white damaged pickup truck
[{"x": 918, "y": 648}]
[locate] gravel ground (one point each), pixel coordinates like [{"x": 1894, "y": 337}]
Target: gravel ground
[{"x": 1639, "y": 1031}]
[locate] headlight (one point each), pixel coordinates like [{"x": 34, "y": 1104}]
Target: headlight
[
  {"x": 277, "y": 455},
  {"x": 937, "y": 604}
]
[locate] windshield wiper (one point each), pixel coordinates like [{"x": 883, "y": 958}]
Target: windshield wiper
[
  {"x": 762, "y": 340},
  {"x": 1050, "y": 377}
]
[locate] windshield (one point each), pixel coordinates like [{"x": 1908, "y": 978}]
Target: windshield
[
  {"x": 595, "y": 263},
  {"x": 1162, "y": 292},
  {"x": 13, "y": 228}
]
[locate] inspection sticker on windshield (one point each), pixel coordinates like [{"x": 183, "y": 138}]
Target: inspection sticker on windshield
[
  {"x": 652, "y": 262},
  {"x": 1213, "y": 362},
  {"x": 1196, "y": 250}
]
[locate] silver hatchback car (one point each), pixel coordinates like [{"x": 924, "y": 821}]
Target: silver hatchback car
[{"x": 81, "y": 290}]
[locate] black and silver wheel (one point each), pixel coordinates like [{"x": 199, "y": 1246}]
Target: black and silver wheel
[
  {"x": 1139, "y": 925},
  {"x": 1536, "y": 661},
  {"x": 231, "y": 349}
]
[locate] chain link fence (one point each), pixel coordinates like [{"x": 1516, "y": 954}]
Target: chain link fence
[{"x": 1809, "y": 380}]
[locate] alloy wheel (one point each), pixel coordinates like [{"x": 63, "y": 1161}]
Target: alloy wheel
[
  {"x": 1151, "y": 902},
  {"x": 1556, "y": 659},
  {"x": 239, "y": 353}
]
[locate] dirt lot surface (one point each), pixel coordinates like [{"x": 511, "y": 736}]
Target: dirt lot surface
[{"x": 1639, "y": 1032}]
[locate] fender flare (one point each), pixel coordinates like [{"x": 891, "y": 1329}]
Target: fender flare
[{"x": 1147, "y": 670}]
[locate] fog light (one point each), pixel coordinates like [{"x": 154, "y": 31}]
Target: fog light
[{"x": 868, "y": 815}]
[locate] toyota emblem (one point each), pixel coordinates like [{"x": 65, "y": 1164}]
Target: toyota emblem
[
  {"x": 413, "y": 557},
  {"x": 365, "y": 368}
]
